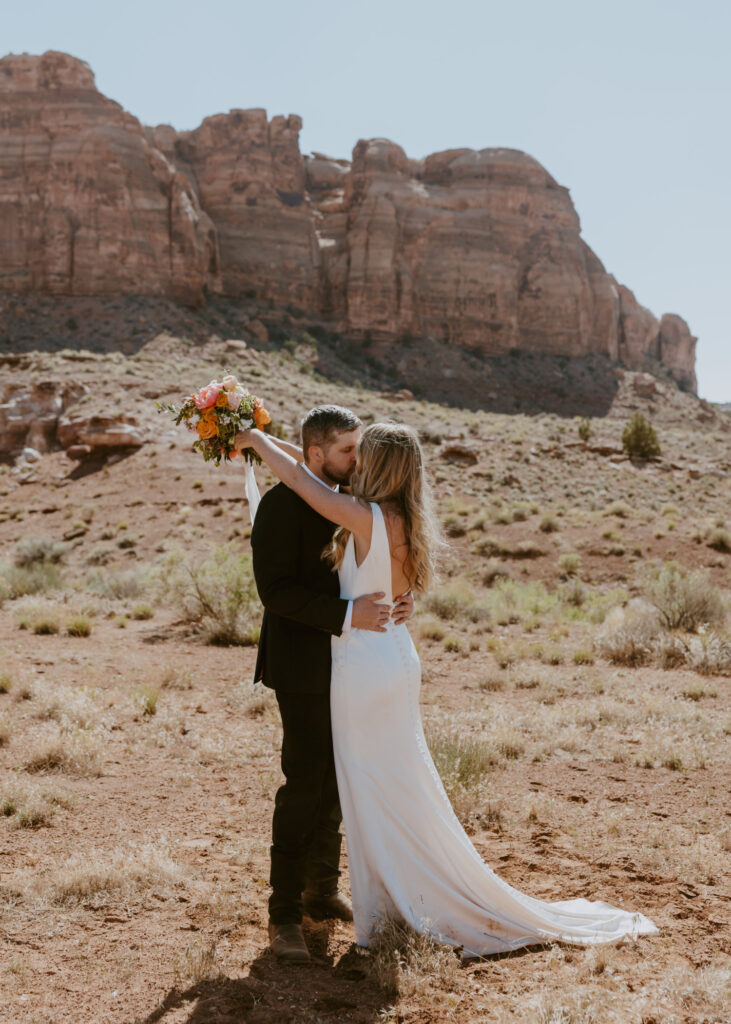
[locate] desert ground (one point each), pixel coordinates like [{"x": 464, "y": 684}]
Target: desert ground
[{"x": 576, "y": 661}]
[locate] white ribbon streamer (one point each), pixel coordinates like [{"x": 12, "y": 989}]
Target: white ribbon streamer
[{"x": 252, "y": 490}]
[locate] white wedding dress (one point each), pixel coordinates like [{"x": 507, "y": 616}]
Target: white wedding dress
[{"x": 408, "y": 855}]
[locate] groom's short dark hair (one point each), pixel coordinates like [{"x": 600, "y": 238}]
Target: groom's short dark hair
[{"x": 321, "y": 424}]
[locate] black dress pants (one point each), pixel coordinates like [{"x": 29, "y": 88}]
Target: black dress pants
[{"x": 306, "y": 838}]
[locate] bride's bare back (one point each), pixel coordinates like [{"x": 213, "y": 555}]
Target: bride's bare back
[{"x": 398, "y": 548}]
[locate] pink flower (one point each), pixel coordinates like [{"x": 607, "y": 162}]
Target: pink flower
[
  {"x": 235, "y": 398},
  {"x": 207, "y": 396}
]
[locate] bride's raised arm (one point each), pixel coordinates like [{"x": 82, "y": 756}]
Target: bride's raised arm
[
  {"x": 291, "y": 449},
  {"x": 353, "y": 514}
]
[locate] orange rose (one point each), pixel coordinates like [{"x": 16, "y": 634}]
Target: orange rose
[
  {"x": 222, "y": 400},
  {"x": 261, "y": 417},
  {"x": 206, "y": 429}
]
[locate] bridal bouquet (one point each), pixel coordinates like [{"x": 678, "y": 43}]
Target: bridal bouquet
[{"x": 216, "y": 413}]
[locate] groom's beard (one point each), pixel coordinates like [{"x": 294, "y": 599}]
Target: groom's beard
[{"x": 335, "y": 476}]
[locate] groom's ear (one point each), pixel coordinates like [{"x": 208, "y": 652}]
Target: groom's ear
[{"x": 313, "y": 454}]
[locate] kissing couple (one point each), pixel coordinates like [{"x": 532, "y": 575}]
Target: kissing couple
[{"x": 336, "y": 650}]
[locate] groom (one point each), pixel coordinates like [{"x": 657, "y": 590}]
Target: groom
[{"x": 302, "y": 609}]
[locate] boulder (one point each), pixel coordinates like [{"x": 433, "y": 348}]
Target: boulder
[
  {"x": 30, "y": 413},
  {"x": 99, "y": 433}
]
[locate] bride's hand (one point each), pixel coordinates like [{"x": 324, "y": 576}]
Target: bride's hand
[{"x": 243, "y": 440}]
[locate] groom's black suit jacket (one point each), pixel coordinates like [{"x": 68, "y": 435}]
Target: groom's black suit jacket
[{"x": 299, "y": 591}]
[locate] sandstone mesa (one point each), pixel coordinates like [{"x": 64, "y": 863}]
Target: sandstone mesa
[{"x": 479, "y": 250}]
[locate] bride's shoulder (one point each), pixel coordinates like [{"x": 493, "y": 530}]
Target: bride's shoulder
[{"x": 394, "y": 521}]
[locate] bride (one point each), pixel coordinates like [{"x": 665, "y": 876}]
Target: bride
[{"x": 409, "y": 857}]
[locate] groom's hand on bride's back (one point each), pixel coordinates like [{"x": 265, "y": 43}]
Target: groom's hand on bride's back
[
  {"x": 368, "y": 614},
  {"x": 403, "y": 608}
]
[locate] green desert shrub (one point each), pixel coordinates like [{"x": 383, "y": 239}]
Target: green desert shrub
[
  {"x": 118, "y": 584},
  {"x": 455, "y": 601},
  {"x": 639, "y": 438},
  {"x": 685, "y": 599},
  {"x": 515, "y": 601},
  {"x": 217, "y": 595}
]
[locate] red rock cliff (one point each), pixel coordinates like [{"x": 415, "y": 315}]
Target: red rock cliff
[
  {"x": 478, "y": 249},
  {"x": 87, "y": 206}
]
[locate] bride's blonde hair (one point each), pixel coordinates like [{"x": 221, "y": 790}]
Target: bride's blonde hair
[{"x": 390, "y": 468}]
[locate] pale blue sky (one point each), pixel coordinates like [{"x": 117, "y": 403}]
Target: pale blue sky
[{"x": 627, "y": 104}]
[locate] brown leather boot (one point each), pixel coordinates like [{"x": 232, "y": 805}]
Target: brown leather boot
[
  {"x": 288, "y": 943},
  {"x": 323, "y": 908}
]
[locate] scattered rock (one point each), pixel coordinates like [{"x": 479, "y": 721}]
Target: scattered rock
[
  {"x": 236, "y": 345},
  {"x": 78, "y": 451},
  {"x": 461, "y": 454}
]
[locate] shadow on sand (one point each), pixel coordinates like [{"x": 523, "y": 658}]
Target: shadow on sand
[{"x": 332, "y": 987}]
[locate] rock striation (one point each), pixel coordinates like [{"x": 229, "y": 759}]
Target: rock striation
[
  {"x": 87, "y": 205},
  {"x": 478, "y": 250}
]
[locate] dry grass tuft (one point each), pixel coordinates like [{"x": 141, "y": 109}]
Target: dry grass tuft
[
  {"x": 404, "y": 963},
  {"x": 628, "y": 635},
  {"x": 252, "y": 699},
  {"x": 145, "y": 698},
  {"x": 100, "y": 875},
  {"x": 70, "y": 706},
  {"x": 77, "y": 752},
  {"x": 78, "y": 625},
  {"x": 710, "y": 655},
  {"x": 428, "y": 627},
  {"x": 196, "y": 963},
  {"x": 30, "y": 805},
  {"x": 174, "y": 677},
  {"x": 460, "y": 759}
]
